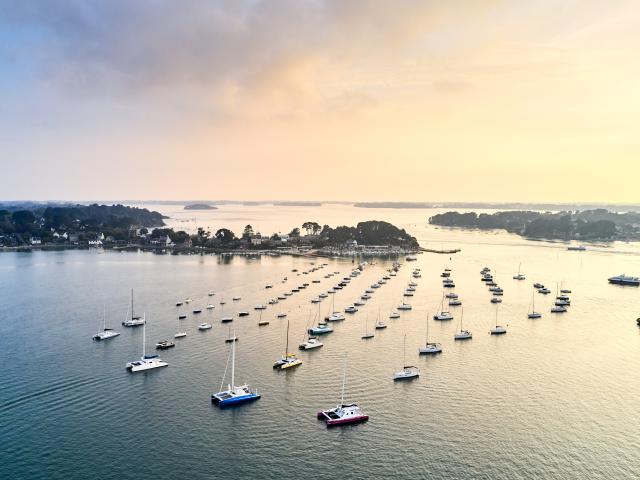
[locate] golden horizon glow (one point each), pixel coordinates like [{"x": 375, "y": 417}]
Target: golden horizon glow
[{"x": 361, "y": 101}]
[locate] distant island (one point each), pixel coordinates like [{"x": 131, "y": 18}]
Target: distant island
[
  {"x": 297, "y": 204},
  {"x": 200, "y": 206},
  {"x": 597, "y": 224}
]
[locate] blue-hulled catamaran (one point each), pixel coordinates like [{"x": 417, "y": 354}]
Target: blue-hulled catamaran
[{"x": 233, "y": 395}]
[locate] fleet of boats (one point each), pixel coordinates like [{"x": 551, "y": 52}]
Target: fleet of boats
[{"x": 342, "y": 413}]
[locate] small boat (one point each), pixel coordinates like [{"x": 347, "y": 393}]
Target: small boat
[
  {"x": 576, "y": 248},
  {"x": 558, "y": 309},
  {"x": 226, "y": 319},
  {"x": 181, "y": 317},
  {"x": 273, "y": 301},
  {"x": 452, "y": 295},
  {"x": 445, "y": 274},
  {"x": 350, "y": 309},
  {"x": 366, "y": 296},
  {"x": 359, "y": 303},
  {"x": 315, "y": 300},
  {"x": 146, "y": 362},
  {"x": 498, "y": 329},
  {"x": 320, "y": 329},
  {"x": 625, "y": 280},
  {"x": 231, "y": 338},
  {"x": 404, "y": 306},
  {"x": 335, "y": 317},
  {"x": 268, "y": 286},
  {"x": 210, "y": 306},
  {"x": 455, "y": 302},
  {"x": 260, "y": 307},
  {"x": 408, "y": 293},
  {"x": 281, "y": 315},
  {"x": 343, "y": 414},
  {"x": 323, "y": 295},
  {"x": 188, "y": 300},
  {"x": 262, "y": 323},
  {"x": 565, "y": 290},
  {"x": 105, "y": 333},
  {"x": 211, "y": 294},
  {"x": 282, "y": 297},
  {"x": 205, "y": 326},
  {"x": 519, "y": 276},
  {"x": 235, "y": 299},
  {"x": 289, "y": 360},
  {"x": 375, "y": 285},
  {"x": 178, "y": 304},
  {"x": 443, "y": 315},
  {"x": 462, "y": 334},
  {"x": 538, "y": 285},
  {"x": 310, "y": 344},
  {"x": 496, "y": 300},
  {"x": 243, "y": 313},
  {"x": 544, "y": 291},
  {"x": 408, "y": 371},
  {"x": 429, "y": 347},
  {"x": 562, "y": 303},
  {"x": 380, "y": 325},
  {"x": 234, "y": 395},
  {"x": 196, "y": 311},
  {"x": 449, "y": 285},
  {"x": 164, "y": 344},
  {"x": 134, "y": 320},
  {"x": 367, "y": 335},
  {"x": 180, "y": 335},
  {"x": 394, "y": 315}
]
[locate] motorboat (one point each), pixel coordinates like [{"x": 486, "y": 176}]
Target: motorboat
[
  {"x": 544, "y": 291},
  {"x": 260, "y": 307},
  {"x": 335, "y": 317},
  {"x": 625, "y": 280},
  {"x": 496, "y": 300},
  {"x": 235, "y": 299},
  {"x": 243, "y": 313},
  {"x": 273, "y": 301},
  {"x": 449, "y": 285},
  {"x": 565, "y": 291},
  {"x": 394, "y": 315},
  {"x": 350, "y": 309},
  {"x": 443, "y": 316},
  {"x": 234, "y": 395},
  {"x": 323, "y": 295},
  {"x": 210, "y": 306},
  {"x": 196, "y": 311},
  {"x": 281, "y": 315},
  {"x": 178, "y": 304},
  {"x": 408, "y": 293},
  {"x": 538, "y": 285},
  {"x": 146, "y": 362},
  {"x": 577, "y": 248},
  {"x": 451, "y": 295},
  {"x": 205, "y": 326},
  {"x": 164, "y": 345},
  {"x": 558, "y": 309},
  {"x": 455, "y": 302},
  {"x": 315, "y": 300},
  {"x": 404, "y": 306},
  {"x": 181, "y": 317},
  {"x": 226, "y": 319},
  {"x": 359, "y": 303},
  {"x": 380, "y": 325},
  {"x": 211, "y": 294}
]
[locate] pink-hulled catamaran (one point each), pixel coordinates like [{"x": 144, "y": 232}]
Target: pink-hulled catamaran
[{"x": 343, "y": 414}]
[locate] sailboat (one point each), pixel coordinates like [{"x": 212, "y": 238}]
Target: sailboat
[
  {"x": 343, "y": 414},
  {"x": 224, "y": 319},
  {"x": 462, "y": 334},
  {"x": 429, "y": 347},
  {"x": 262, "y": 323},
  {"x": 498, "y": 329},
  {"x": 443, "y": 315},
  {"x": 380, "y": 325},
  {"x": 321, "y": 328},
  {"x": 233, "y": 395},
  {"x": 519, "y": 276},
  {"x": 106, "y": 333},
  {"x": 289, "y": 360},
  {"x": 231, "y": 338},
  {"x": 135, "y": 320},
  {"x": 408, "y": 371},
  {"x": 334, "y": 316},
  {"x": 533, "y": 313},
  {"x": 366, "y": 335},
  {"x": 146, "y": 362}
]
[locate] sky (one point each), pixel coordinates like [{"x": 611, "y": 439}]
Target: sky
[{"x": 362, "y": 100}]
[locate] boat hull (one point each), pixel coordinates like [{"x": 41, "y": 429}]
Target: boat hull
[{"x": 234, "y": 401}]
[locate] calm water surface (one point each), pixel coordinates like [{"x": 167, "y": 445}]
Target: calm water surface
[{"x": 554, "y": 398}]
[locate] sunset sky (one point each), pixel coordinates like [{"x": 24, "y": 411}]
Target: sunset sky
[{"x": 338, "y": 100}]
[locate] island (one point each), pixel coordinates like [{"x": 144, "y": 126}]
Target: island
[
  {"x": 200, "y": 206},
  {"x": 597, "y": 224}
]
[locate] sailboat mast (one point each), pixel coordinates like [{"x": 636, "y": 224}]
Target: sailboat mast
[
  {"x": 233, "y": 363},
  {"x": 404, "y": 351},
  {"x": 344, "y": 379},
  {"x": 144, "y": 339},
  {"x": 427, "y": 338},
  {"x": 104, "y": 317},
  {"x": 286, "y": 348},
  {"x": 132, "y": 315}
]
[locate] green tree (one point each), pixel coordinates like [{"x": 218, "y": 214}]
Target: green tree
[
  {"x": 23, "y": 220},
  {"x": 248, "y": 232},
  {"x": 225, "y": 236}
]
